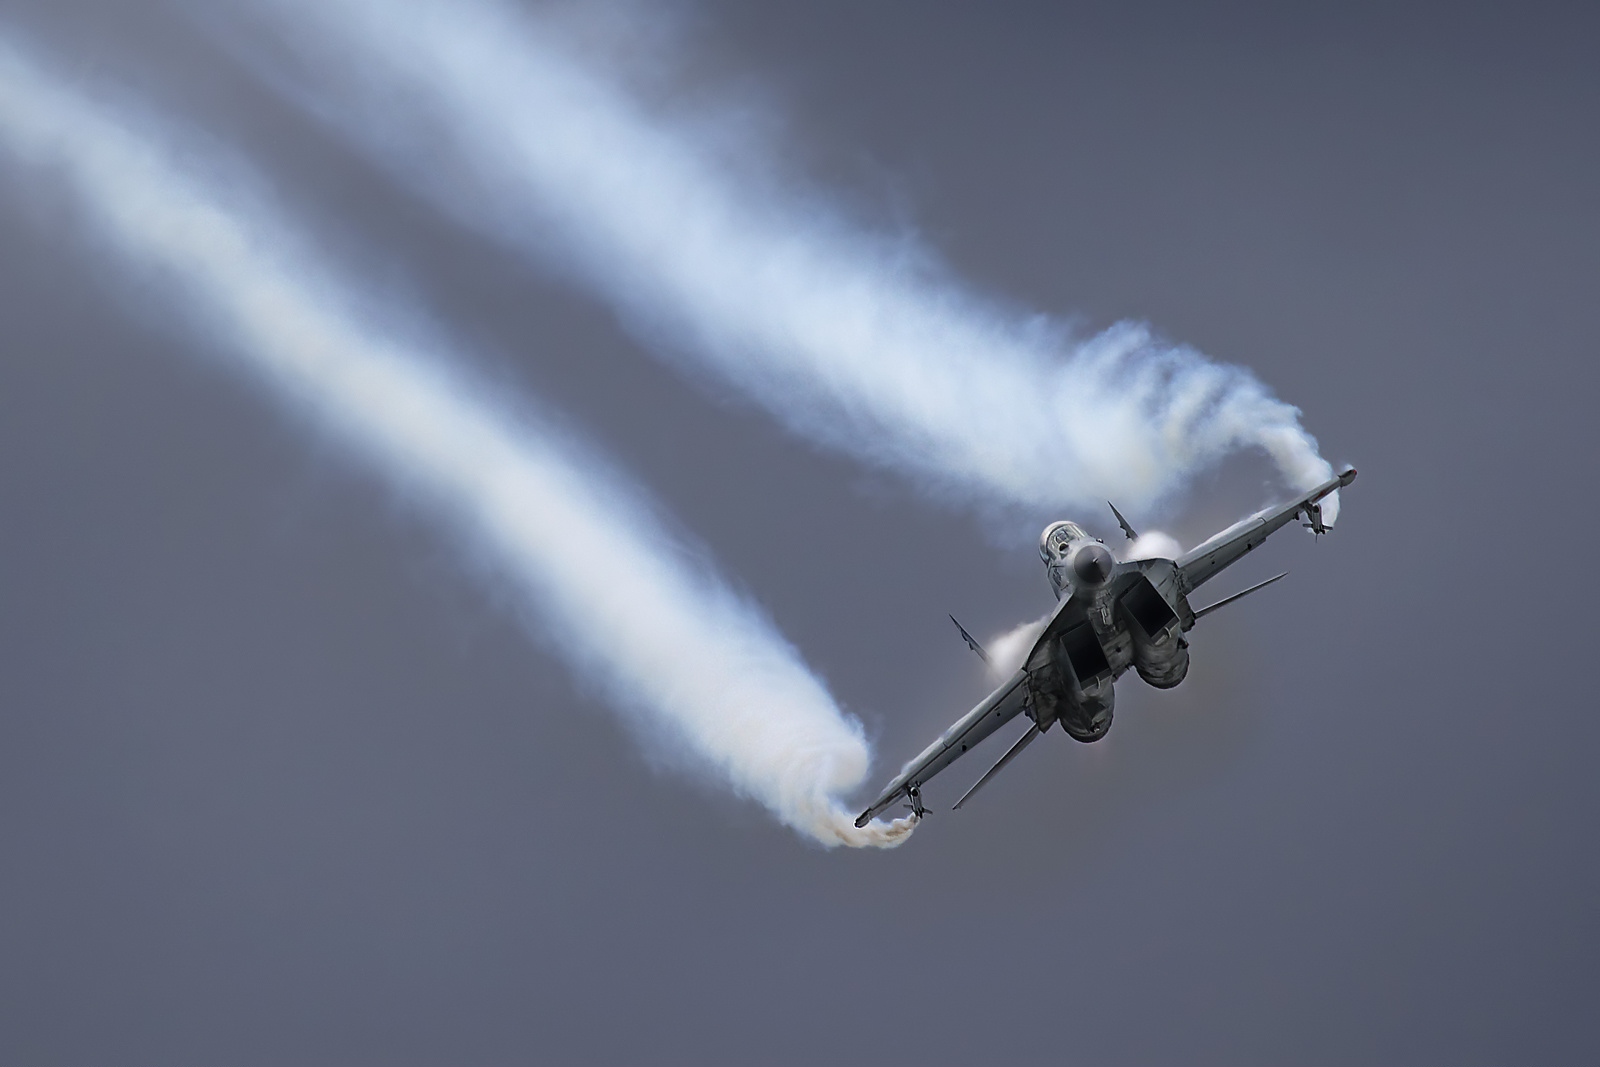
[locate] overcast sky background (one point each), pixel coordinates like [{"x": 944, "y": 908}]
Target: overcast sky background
[{"x": 281, "y": 782}]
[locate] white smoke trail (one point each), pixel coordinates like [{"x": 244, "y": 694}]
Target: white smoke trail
[
  {"x": 843, "y": 337},
  {"x": 662, "y": 638}
]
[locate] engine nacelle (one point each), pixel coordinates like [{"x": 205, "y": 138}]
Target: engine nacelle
[
  {"x": 1087, "y": 717},
  {"x": 1163, "y": 664},
  {"x": 1088, "y": 689},
  {"x": 1160, "y": 651}
]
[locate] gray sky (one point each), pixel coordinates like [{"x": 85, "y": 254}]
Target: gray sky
[{"x": 280, "y": 783}]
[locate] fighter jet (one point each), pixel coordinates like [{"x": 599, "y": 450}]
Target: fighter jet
[{"x": 1111, "y": 616}]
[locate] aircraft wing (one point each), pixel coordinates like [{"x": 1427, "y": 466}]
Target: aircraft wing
[
  {"x": 1204, "y": 561},
  {"x": 993, "y": 712}
]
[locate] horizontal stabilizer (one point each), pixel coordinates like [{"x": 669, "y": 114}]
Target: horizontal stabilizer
[
  {"x": 1225, "y": 601},
  {"x": 1022, "y": 742}
]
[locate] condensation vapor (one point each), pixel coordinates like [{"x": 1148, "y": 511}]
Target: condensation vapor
[
  {"x": 1007, "y": 651},
  {"x": 1152, "y": 544},
  {"x": 855, "y": 340},
  {"x": 665, "y": 639}
]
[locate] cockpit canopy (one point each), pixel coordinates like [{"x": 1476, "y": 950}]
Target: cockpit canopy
[{"x": 1057, "y": 536}]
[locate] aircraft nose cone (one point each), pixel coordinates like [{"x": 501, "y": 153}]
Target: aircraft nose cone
[{"x": 1092, "y": 564}]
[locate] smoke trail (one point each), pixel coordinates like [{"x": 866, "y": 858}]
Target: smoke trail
[
  {"x": 844, "y": 337},
  {"x": 664, "y": 639}
]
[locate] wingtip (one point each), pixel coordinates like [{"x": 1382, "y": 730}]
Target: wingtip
[{"x": 1348, "y": 476}]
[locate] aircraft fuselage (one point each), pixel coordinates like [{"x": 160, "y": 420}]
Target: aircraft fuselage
[{"x": 1135, "y": 615}]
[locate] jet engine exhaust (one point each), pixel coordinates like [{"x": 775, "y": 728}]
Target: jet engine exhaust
[{"x": 666, "y": 640}]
